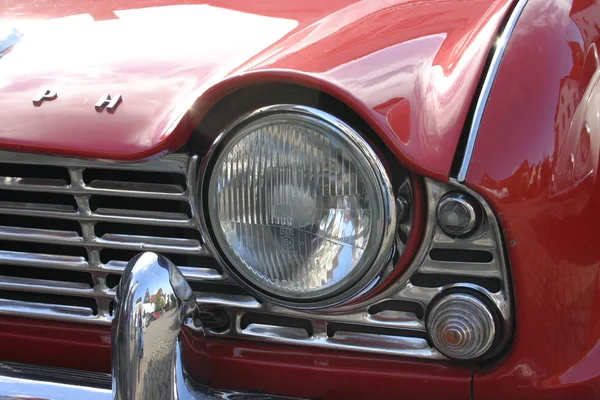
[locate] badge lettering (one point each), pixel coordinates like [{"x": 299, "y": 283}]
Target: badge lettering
[
  {"x": 108, "y": 102},
  {"x": 44, "y": 95}
]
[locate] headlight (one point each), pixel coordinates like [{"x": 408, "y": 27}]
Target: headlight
[{"x": 299, "y": 206}]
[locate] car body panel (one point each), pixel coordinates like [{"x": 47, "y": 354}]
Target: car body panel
[
  {"x": 409, "y": 68},
  {"x": 246, "y": 365},
  {"x": 536, "y": 162}
]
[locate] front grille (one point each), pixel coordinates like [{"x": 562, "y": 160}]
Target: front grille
[{"x": 68, "y": 228}]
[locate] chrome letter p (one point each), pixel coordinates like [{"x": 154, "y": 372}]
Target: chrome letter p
[{"x": 47, "y": 94}]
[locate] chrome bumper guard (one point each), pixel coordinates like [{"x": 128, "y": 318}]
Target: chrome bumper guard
[{"x": 153, "y": 302}]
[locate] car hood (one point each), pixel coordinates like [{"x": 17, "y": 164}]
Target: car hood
[{"x": 410, "y": 68}]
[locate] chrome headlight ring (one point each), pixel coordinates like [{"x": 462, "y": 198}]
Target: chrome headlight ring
[{"x": 380, "y": 245}]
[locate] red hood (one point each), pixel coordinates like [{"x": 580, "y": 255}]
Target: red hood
[{"x": 408, "y": 67}]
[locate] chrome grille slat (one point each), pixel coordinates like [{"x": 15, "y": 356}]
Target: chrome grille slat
[
  {"x": 40, "y": 235},
  {"x": 72, "y": 313},
  {"x": 73, "y": 263},
  {"x": 385, "y": 344},
  {"x": 53, "y": 312},
  {"x": 109, "y": 236},
  {"x": 142, "y": 218},
  {"x": 88, "y": 190},
  {"x": 148, "y": 243},
  {"x": 17, "y": 258},
  {"x": 396, "y": 319},
  {"x": 232, "y": 302},
  {"x": 110, "y": 241},
  {"x": 419, "y": 294},
  {"x": 36, "y": 185},
  {"x": 158, "y": 219},
  {"x": 484, "y": 270},
  {"x": 89, "y": 241},
  {"x": 193, "y": 274},
  {"x": 45, "y": 286},
  {"x": 350, "y": 341},
  {"x": 276, "y": 332},
  {"x": 119, "y": 187},
  {"x": 241, "y": 304},
  {"x": 484, "y": 242},
  {"x": 49, "y": 209},
  {"x": 198, "y": 274}
]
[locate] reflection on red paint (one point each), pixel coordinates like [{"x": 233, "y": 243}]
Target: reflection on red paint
[
  {"x": 243, "y": 365},
  {"x": 172, "y": 61},
  {"x": 536, "y": 161}
]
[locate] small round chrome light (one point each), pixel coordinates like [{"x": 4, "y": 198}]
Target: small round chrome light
[
  {"x": 299, "y": 206},
  {"x": 457, "y": 214},
  {"x": 461, "y": 326}
]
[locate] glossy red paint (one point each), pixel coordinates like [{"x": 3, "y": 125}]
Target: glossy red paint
[
  {"x": 408, "y": 67},
  {"x": 536, "y": 162},
  {"x": 247, "y": 365},
  {"x": 316, "y": 374},
  {"x": 313, "y": 373},
  {"x": 56, "y": 344}
]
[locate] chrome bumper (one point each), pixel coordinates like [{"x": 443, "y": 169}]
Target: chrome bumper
[{"x": 153, "y": 302}]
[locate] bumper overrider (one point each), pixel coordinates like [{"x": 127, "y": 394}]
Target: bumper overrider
[{"x": 153, "y": 302}]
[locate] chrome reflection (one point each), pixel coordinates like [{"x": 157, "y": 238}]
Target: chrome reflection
[
  {"x": 8, "y": 38},
  {"x": 490, "y": 77},
  {"x": 153, "y": 302},
  {"x": 300, "y": 207}
]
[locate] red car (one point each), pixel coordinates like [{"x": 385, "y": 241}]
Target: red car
[{"x": 333, "y": 199}]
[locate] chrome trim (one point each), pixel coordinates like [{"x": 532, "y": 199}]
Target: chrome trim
[
  {"x": 403, "y": 208},
  {"x": 108, "y": 102},
  {"x": 485, "y": 238},
  {"x": 45, "y": 94},
  {"x": 461, "y": 327},
  {"x": 349, "y": 341},
  {"x": 58, "y": 375},
  {"x": 147, "y": 352},
  {"x": 14, "y": 387},
  {"x": 8, "y": 39},
  {"x": 91, "y": 244},
  {"x": 464, "y": 202},
  {"x": 147, "y": 359},
  {"x": 396, "y": 330},
  {"x": 385, "y": 239},
  {"x": 486, "y": 89}
]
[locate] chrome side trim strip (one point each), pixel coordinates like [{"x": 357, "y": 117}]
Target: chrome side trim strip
[{"x": 488, "y": 83}]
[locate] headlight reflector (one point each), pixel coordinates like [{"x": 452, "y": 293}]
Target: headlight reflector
[{"x": 300, "y": 206}]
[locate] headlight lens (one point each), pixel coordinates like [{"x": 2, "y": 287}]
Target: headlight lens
[{"x": 300, "y": 206}]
